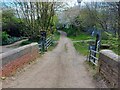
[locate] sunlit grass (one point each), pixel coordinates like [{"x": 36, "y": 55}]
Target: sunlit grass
[
  {"x": 114, "y": 43},
  {"x": 82, "y": 36},
  {"x": 56, "y": 36},
  {"x": 81, "y": 47}
]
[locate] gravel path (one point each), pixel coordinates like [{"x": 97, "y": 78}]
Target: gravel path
[{"x": 60, "y": 68}]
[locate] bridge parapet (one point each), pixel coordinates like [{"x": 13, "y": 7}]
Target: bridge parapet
[
  {"x": 16, "y": 58},
  {"x": 109, "y": 67}
]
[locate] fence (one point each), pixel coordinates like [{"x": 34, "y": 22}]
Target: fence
[
  {"x": 43, "y": 46},
  {"x": 92, "y": 57},
  {"x": 93, "y": 53}
]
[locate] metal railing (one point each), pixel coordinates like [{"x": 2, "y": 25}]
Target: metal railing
[
  {"x": 46, "y": 44},
  {"x": 94, "y": 53},
  {"x": 92, "y": 57}
]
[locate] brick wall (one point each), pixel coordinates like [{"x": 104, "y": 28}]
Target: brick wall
[
  {"x": 109, "y": 67},
  {"x": 16, "y": 58}
]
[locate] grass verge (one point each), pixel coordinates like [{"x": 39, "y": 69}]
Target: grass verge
[
  {"x": 82, "y": 36},
  {"x": 113, "y": 43},
  {"x": 81, "y": 47},
  {"x": 92, "y": 69},
  {"x": 56, "y": 37}
]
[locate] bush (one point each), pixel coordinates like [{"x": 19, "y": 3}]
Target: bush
[
  {"x": 106, "y": 36},
  {"x": 25, "y": 42},
  {"x": 113, "y": 43},
  {"x": 71, "y": 31},
  {"x": 5, "y": 36},
  {"x": 6, "y": 39}
]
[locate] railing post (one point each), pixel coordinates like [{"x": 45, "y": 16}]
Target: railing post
[
  {"x": 96, "y": 42},
  {"x": 45, "y": 43},
  {"x": 43, "y": 40}
]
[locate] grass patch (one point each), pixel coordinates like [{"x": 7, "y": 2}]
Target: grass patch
[
  {"x": 114, "y": 43},
  {"x": 56, "y": 36},
  {"x": 82, "y": 36},
  {"x": 52, "y": 47},
  {"x": 91, "y": 68},
  {"x": 81, "y": 47},
  {"x": 91, "y": 65}
]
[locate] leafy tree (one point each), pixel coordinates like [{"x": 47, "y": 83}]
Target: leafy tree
[
  {"x": 10, "y": 23},
  {"x": 37, "y": 16},
  {"x": 104, "y": 15}
]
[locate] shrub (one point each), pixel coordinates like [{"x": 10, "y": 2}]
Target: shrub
[
  {"x": 6, "y": 39},
  {"x": 5, "y": 36},
  {"x": 25, "y": 42},
  {"x": 106, "y": 36}
]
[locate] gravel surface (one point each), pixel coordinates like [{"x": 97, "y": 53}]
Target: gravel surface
[{"x": 62, "y": 67}]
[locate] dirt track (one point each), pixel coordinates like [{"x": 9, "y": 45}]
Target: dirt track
[{"x": 60, "y": 68}]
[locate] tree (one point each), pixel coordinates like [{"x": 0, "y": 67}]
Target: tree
[
  {"x": 37, "y": 16},
  {"x": 102, "y": 15},
  {"x": 10, "y": 23}
]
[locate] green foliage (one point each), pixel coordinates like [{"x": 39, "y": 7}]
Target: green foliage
[
  {"x": 6, "y": 39},
  {"x": 71, "y": 31},
  {"x": 10, "y": 23},
  {"x": 54, "y": 21},
  {"x": 56, "y": 36},
  {"x": 106, "y": 35},
  {"x": 91, "y": 65},
  {"x": 81, "y": 36},
  {"x": 113, "y": 42},
  {"x": 5, "y": 36},
  {"x": 42, "y": 18},
  {"x": 81, "y": 47},
  {"x": 13, "y": 39},
  {"x": 25, "y": 42}
]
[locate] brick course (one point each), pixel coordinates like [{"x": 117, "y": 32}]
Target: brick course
[{"x": 18, "y": 57}]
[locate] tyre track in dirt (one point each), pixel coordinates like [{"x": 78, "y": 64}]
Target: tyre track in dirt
[{"x": 62, "y": 67}]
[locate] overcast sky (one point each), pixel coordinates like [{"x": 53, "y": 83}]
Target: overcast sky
[
  {"x": 63, "y": 0},
  {"x": 70, "y": 2}
]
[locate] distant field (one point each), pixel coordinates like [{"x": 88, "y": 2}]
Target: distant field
[
  {"x": 82, "y": 36},
  {"x": 81, "y": 47}
]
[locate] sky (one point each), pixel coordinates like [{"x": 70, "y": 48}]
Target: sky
[
  {"x": 70, "y": 2},
  {"x": 62, "y": 0}
]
